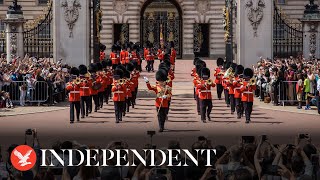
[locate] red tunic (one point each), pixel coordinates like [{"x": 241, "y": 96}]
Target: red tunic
[
  {"x": 204, "y": 90},
  {"x": 74, "y": 92},
  {"x": 160, "y": 102},
  {"x": 119, "y": 92},
  {"x": 237, "y": 89},
  {"x": 114, "y": 58},
  {"x": 173, "y": 56},
  {"x": 85, "y": 87},
  {"x": 160, "y": 54},
  {"x": 218, "y": 76},
  {"x": 247, "y": 92}
]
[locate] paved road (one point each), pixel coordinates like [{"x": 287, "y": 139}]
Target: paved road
[{"x": 183, "y": 125}]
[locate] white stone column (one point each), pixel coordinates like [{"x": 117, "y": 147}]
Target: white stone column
[
  {"x": 14, "y": 36},
  {"x": 254, "y": 39},
  {"x": 71, "y": 40},
  {"x": 311, "y": 33}
]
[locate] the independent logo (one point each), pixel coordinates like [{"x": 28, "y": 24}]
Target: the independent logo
[{"x": 23, "y": 158}]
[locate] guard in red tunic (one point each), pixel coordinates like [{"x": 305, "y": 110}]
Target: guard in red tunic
[
  {"x": 247, "y": 90},
  {"x": 94, "y": 88},
  {"x": 163, "y": 92},
  {"x": 119, "y": 94},
  {"x": 237, "y": 90},
  {"x": 135, "y": 75},
  {"x": 205, "y": 96},
  {"x": 85, "y": 86},
  {"x": 173, "y": 55},
  {"x": 230, "y": 86},
  {"x": 114, "y": 57},
  {"x": 101, "y": 81},
  {"x": 194, "y": 74},
  {"x": 124, "y": 55},
  {"x": 73, "y": 87},
  {"x": 102, "y": 53},
  {"x": 224, "y": 85},
  {"x": 161, "y": 53},
  {"x": 219, "y": 76},
  {"x": 109, "y": 75}
]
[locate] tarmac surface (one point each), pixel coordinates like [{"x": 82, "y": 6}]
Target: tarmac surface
[{"x": 281, "y": 124}]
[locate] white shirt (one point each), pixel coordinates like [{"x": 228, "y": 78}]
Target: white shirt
[{"x": 318, "y": 85}]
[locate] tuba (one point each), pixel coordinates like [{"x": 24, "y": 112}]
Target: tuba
[{"x": 228, "y": 73}]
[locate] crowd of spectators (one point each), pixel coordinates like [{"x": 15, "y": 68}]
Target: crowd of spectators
[
  {"x": 252, "y": 158},
  {"x": 29, "y": 79},
  {"x": 291, "y": 81}
]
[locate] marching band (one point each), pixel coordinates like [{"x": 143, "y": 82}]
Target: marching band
[{"x": 118, "y": 78}]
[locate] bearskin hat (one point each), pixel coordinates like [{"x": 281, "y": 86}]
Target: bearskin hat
[
  {"x": 248, "y": 73},
  {"x": 205, "y": 73},
  {"x": 233, "y": 66},
  {"x": 161, "y": 75},
  {"x": 167, "y": 63},
  {"x": 130, "y": 67},
  {"x": 196, "y": 60},
  {"x": 198, "y": 69},
  {"x": 202, "y": 63},
  {"x": 83, "y": 69},
  {"x": 239, "y": 70},
  {"x": 102, "y": 47},
  {"x": 126, "y": 74},
  {"x": 120, "y": 66},
  {"x": 109, "y": 62},
  {"x": 166, "y": 57},
  {"x": 114, "y": 48},
  {"x": 119, "y": 73},
  {"x": 92, "y": 68},
  {"x": 164, "y": 67},
  {"x": 135, "y": 47},
  {"x": 227, "y": 65},
  {"x": 99, "y": 66},
  {"x": 74, "y": 71},
  {"x": 171, "y": 44},
  {"x": 220, "y": 62},
  {"x": 104, "y": 64}
]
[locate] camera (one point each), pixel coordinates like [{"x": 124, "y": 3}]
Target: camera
[
  {"x": 303, "y": 136},
  {"x": 151, "y": 133},
  {"x": 248, "y": 139},
  {"x": 29, "y": 132}
]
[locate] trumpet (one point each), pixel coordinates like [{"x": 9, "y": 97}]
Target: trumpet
[
  {"x": 252, "y": 81},
  {"x": 77, "y": 81},
  {"x": 209, "y": 82},
  {"x": 85, "y": 81}
]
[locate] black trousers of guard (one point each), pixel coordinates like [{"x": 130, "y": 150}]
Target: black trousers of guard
[
  {"x": 226, "y": 96},
  {"x": 84, "y": 103},
  {"x": 90, "y": 103},
  {"x": 118, "y": 109},
  {"x": 198, "y": 104},
  {"x": 100, "y": 95},
  {"x": 162, "y": 116},
  {"x": 239, "y": 107},
  {"x": 96, "y": 101},
  {"x": 129, "y": 102},
  {"x": 74, "y": 105},
  {"x": 232, "y": 103},
  {"x": 219, "y": 90},
  {"x": 108, "y": 93},
  {"x": 148, "y": 67},
  {"x": 318, "y": 102},
  {"x": 206, "y": 108},
  {"x": 248, "y": 109},
  {"x": 134, "y": 96}
]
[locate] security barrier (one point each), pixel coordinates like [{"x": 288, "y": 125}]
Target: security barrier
[{"x": 26, "y": 91}]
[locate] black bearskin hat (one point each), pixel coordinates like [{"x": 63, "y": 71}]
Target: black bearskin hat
[
  {"x": 109, "y": 62},
  {"x": 163, "y": 66},
  {"x": 135, "y": 47},
  {"x": 118, "y": 72},
  {"x": 114, "y": 48},
  {"x": 202, "y": 63},
  {"x": 161, "y": 75},
  {"x": 227, "y": 65},
  {"x": 205, "y": 73},
  {"x": 198, "y": 69},
  {"x": 248, "y": 73},
  {"x": 83, "y": 69},
  {"x": 239, "y": 70},
  {"x": 121, "y": 67},
  {"x": 167, "y": 63},
  {"x": 135, "y": 64},
  {"x": 233, "y": 66},
  {"x": 74, "y": 71},
  {"x": 171, "y": 44},
  {"x": 126, "y": 74},
  {"x": 92, "y": 68},
  {"x": 102, "y": 47},
  {"x": 220, "y": 62},
  {"x": 196, "y": 60},
  {"x": 99, "y": 66},
  {"x": 130, "y": 67},
  {"x": 104, "y": 64},
  {"x": 166, "y": 57}
]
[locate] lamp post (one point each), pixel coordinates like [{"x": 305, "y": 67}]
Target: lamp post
[
  {"x": 229, "y": 41},
  {"x": 96, "y": 41}
]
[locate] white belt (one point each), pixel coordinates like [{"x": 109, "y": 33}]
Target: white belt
[
  {"x": 74, "y": 92},
  {"x": 118, "y": 92},
  {"x": 248, "y": 92},
  {"x": 84, "y": 87},
  {"x": 237, "y": 88},
  {"x": 114, "y": 58},
  {"x": 149, "y": 55},
  {"x": 205, "y": 91}
]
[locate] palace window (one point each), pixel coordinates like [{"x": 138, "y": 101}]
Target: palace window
[
  {"x": 281, "y": 2},
  {"x": 1, "y": 1},
  {"x": 42, "y": 2}
]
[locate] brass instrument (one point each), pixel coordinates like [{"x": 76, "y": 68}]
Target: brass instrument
[
  {"x": 209, "y": 82},
  {"x": 85, "y": 81},
  {"x": 252, "y": 81},
  {"x": 228, "y": 73},
  {"x": 77, "y": 81}
]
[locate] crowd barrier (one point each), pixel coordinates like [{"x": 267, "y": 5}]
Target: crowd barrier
[
  {"x": 36, "y": 92},
  {"x": 288, "y": 93}
]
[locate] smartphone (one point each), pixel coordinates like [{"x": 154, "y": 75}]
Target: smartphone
[
  {"x": 303, "y": 136},
  {"x": 248, "y": 139},
  {"x": 151, "y": 133}
]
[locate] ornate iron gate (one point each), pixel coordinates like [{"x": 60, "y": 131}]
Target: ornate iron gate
[
  {"x": 162, "y": 27},
  {"x": 121, "y": 33},
  {"x": 3, "y": 41},
  {"x": 38, "y": 40},
  {"x": 287, "y": 38},
  {"x": 201, "y": 40}
]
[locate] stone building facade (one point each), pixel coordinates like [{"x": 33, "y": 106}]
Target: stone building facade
[{"x": 194, "y": 25}]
